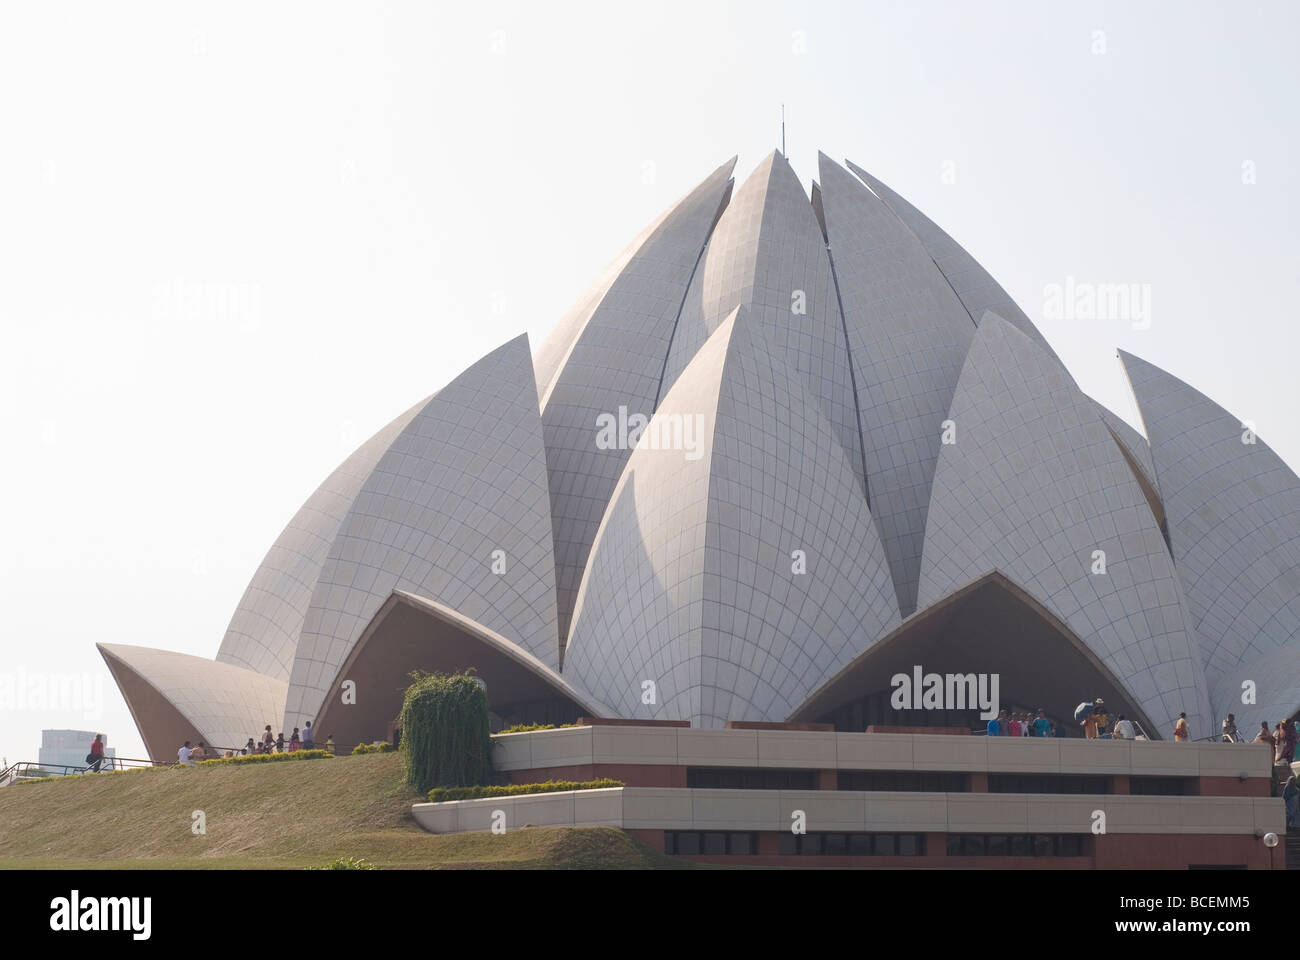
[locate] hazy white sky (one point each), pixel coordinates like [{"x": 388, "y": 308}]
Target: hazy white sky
[{"x": 237, "y": 238}]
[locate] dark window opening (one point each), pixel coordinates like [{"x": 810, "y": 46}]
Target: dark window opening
[
  {"x": 739, "y": 778},
  {"x": 1016, "y": 845},
  {"x": 1159, "y": 786},
  {"x": 853, "y": 844},
  {"x": 710, "y": 843},
  {"x": 904, "y": 780},
  {"x": 1047, "y": 783}
]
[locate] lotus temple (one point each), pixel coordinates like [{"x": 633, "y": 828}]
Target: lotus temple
[{"x": 783, "y": 450}]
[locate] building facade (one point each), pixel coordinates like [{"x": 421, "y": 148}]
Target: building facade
[
  {"x": 770, "y": 795},
  {"x": 785, "y": 450},
  {"x": 68, "y": 748}
]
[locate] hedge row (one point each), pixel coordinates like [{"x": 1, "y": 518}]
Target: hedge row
[
  {"x": 361, "y": 748},
  {"x": 444, "y": 794},
  {"x": 530, "y": 727},
  {"x": 270, "y": 757},
  {"x": 347, "y": 863}
]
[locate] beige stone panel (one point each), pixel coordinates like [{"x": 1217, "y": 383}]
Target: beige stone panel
[
  {"x": 1155, "y": 758},
  {"x": 906, "y": 812},
  {"x": 657, "y": 808},
  {"x": 634, "y": 744},
  {"x": 717, "y": 748},
  {"x": 988, "y": 813},
  {"x": 598, "y": 808},
  {"x": 826, "y": 809},
  {"x": 1023, "y": 755},
  {"x": 796, "y": 748},
  {"x": 437, "y": 817},
  {"x": 873, "y": 751},
  {"x": 562, "y": 748},
  {"x": 512, "y": 751},
  {"x": 933, "y": 751},
  {"x": 738, "y": 810},
  {"x": 1095, "y": 756}
]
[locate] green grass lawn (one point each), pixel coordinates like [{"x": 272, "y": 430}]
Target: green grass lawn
[{"x": 275, "y": 815}]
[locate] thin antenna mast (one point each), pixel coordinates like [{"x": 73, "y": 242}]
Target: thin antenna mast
[{"x": 783, "y": 129}]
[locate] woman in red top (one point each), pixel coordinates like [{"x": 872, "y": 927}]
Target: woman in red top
[{"x": 97, "y": 752}]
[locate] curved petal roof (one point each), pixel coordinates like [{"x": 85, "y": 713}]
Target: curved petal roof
[
  {"x": 648, "y": 267},
  {"x": 767, "y": 253},
  {"x": 613, "y": 367},
  {"x": 456, "y": 510},
  {"x": 263, "y": 632},
  {"x": 1033, "y": 486},
  {"x": 739, "y": 580},
  {"x": 970, "y": 281},
  {"x": 908, "y": 335},
  {"x": 222, "y": 705},
  {"x": 1234, "y": 520}
]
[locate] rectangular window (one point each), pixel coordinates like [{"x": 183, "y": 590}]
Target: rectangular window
[
  {"x": 1069, "y": 845},
  {"x": 1047, "y": 783},
  {"x": 712, "y": 843},
  {"x": 847, "y": 844},
  {"x": 835, "y": 844},
  {"x": 1159, "y": 786},
  {"x": 688, "y": 843},
  {"x": 706, "y": 778},
  {"x": 1016, "y": 845},
  {"x": 911, "y": 844},
  {"x": 903, "y": 780}
]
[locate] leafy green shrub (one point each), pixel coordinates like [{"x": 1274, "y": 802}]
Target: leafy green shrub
[
  {"x": 270, "y": 757},
  {"x": 348, "y": 863},
  {"x": 443, "y": 794},
  {"x": 381, "y": 747},
  {"x": 446, "y": 737},
  {"x": 530, "y": 727}
]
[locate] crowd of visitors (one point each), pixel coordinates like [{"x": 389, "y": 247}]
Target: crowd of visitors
[
  {"x": 304, "y": 739},
  {"x": 1281, "y": 740},
  {"x": 1021, "y": 724},
  {"x": 1097, "y": 723}
]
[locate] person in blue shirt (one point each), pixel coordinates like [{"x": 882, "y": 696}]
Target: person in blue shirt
[
  {"x": 998, "y": 725},
  {"x": 1042, "y": 726}
]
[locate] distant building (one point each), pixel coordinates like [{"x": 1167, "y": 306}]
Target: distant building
[{"x": 68, "y": 748}]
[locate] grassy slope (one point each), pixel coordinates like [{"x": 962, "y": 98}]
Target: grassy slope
[{"x": 294, "y": 814}]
